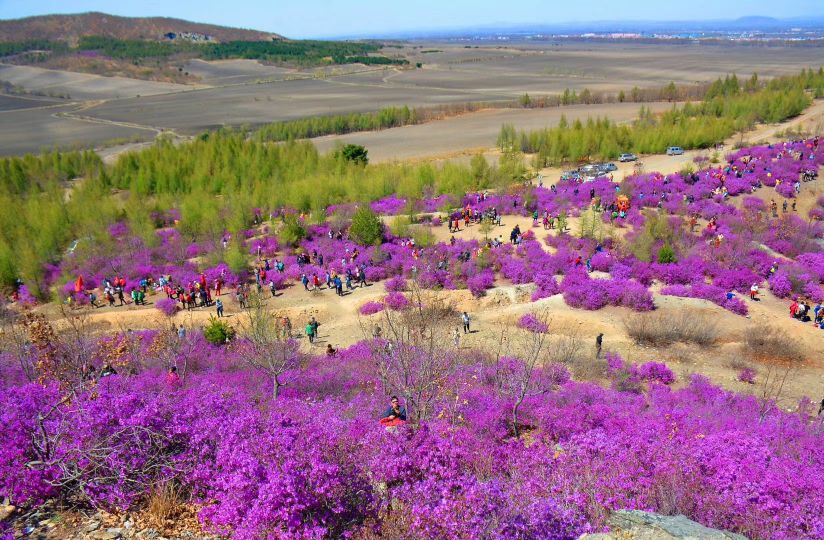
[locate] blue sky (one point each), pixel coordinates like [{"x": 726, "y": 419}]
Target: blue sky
[{"x": 325, "y": 18}]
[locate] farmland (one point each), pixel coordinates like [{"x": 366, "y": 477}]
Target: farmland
[{"x": 245, "y": 92}]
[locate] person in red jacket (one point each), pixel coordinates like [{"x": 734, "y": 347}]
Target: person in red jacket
[{"x": 395, "y": 415}]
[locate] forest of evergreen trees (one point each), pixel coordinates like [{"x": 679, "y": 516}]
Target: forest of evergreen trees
[
  {"x": 728, "y": 107},
  {"x": 317, "y": 126},
  {"x": 302, "y": 53}
]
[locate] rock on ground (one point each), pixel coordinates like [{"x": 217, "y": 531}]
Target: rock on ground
[{"x": 638, "y": 525}]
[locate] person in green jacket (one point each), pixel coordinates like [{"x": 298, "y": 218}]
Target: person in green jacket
[{"x": 310, "y": 332}]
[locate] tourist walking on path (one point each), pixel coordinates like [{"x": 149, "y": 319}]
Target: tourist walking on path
[
  {"x": 466, "y": 320},
  {"x": 599, "y": 342}
]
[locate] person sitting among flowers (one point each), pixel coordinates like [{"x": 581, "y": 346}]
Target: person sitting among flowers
[{"x": 395, "y": 415}]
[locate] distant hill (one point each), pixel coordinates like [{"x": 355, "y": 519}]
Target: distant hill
[{"x": 71, "y": 27}]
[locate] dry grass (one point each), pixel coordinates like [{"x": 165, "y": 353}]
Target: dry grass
[
  {"x": 658, "y": 330},
  {"x": 588, "y": 369},
  {"x": 165, "y": 504},
  {"x": 770, "y": 344},
  {"x": 568, "y": 346},
  {"x": 739, "y": 364},
  {"x": 681, "y": 354}
]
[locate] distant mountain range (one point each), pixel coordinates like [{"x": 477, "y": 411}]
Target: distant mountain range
[
  {"x": 71, "y": 27},
  {"x": 743, "y": 24}
]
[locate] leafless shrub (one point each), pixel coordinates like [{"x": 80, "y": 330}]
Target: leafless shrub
[
  {"x": 770, "y": 344},
  {"x": 568, "y": 346},
  {"x": 409, "y": 346},
  {"x": 264, "y": 346},
  {"x": 739, "y": 363},
  {"x": 779, "y": 357},
  {"x": 686, "y": 326}
]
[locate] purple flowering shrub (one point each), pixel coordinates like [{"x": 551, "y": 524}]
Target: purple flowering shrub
[
  {"x": 780, "y": 285},
  {"x": 395, "y": 284},
  {"x": 656, "y": 372},
  {"x": 546, "y": 286},
  {"x": 167, "y": 306},
  {"x": 396, "y": 301},
  {"x": 389, "y": 206},
  {"x": 714, "y": 294},
  {"x": 25, "y": 297},
  {"x": 316, "y": 463},
  {"x": 747, "y": 375},
  {"x": 480, "y": 282},
  {"x": 370, "y": 308},
  {"x": 629, "y": 377},
  {"x": 581, "y": 291},
  {"x": 533, "y": 324}
]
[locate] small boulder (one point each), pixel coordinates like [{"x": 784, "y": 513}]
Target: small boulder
[
  {"x": 6, "y": 511},
  {"x": 638, "y": 525}
]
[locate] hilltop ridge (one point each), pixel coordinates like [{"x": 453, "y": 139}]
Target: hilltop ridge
[{"x": 71, "y": 27}]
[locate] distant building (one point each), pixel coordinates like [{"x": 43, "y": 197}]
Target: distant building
[{"x": 188, "y": 36}]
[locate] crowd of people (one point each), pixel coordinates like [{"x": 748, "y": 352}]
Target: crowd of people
[
  {"x": 801, "y": 310},
  {"x": 354, "y": 271}
]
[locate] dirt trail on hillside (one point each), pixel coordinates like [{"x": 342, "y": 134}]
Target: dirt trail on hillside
[{"x": 341, "y": 325}]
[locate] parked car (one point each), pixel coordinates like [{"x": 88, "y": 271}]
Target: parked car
[
  {"x": 624, "y": 158},
  {"x": 589, "y": 169},
  {"x": 675, "y": 151},
  {"x": 607, "y": 167},
  {"x": 571, "y": 175}
]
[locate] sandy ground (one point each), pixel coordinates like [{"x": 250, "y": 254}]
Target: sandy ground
[
  {"x": 47, "y": 126},
  {"x": 458, "y": 138},
  {"x": 83, "y": 86},
  {"x": 536, "y": 67}
]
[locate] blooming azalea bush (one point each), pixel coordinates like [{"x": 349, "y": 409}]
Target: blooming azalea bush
[
  {"x": 747, "y": 375},
  {"x": 315, "y": 462},
  {"x": 656, "y": 372},
  {"x": 396, "y": 301},
  {"x": 480, "y": 282},
  {"x": 533, "y": 324},
  {"x": 167, "y": 306},
  {"x": 370, "y": 308}
]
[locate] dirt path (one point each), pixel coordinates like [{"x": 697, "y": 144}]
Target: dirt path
[{"x": 341, "y": 325}]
